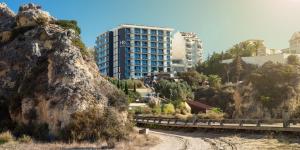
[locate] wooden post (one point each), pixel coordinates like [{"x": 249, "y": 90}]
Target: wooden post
[
  {"x": 241, "y": 123},
  {"x": 286, "y": 118},
  {"x": 169, "y": 121},
  {"x": 222, "y": 123},
  {"x": 195, "y": 122},
  {"x": 175, "y": 121},
  {"x": 258, "y": 123},
  {"x": 209, "y": 122}
]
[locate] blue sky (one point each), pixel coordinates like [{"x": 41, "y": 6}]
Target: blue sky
[{"x": 219, "y": 23}]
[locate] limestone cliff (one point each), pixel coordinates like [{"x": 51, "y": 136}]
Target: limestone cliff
[{"x": 44, "y": 78}]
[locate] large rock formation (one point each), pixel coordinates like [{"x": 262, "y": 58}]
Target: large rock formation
[{"x": 44, "y": 78}]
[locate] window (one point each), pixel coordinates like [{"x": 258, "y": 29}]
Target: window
[
  {"x": 153, "y": 44},
  {"x": 145, "y": 31},
  {"x": 160, "y": 57},
  {"x": 160, "y": 32},
  {"x": 127, "y": 30},
  {"x": 144, "y": 37},
  {"x": 144, "y": 56},
  {"x": 160, "y": 63},
  {"x": 137, "y": 49},
  {"x": 137, "y": 37},
  {"x": 160, "y": 45},
  {"x": 137, "y": 43},
  {"x": 137, "y": 31},
  {"x": 144, "y": 50},
  {"x": 160, "y": 38},
  {"x": 168, "y": 33},
  {"x": 145, "y": 69},
  {"x": 153, "y": 38},
  {"x": 145, "y": 44},
  {"x": 137, "y": 62},
  {"x": 153, "y": 63},
  {"x": 153, "y": 32},
  {"x": 127, "y": 37},
  {"x": 144, "y": 62},
  {"x": 153, "y": 50},
  {"x": 153, "y": 57},
  {"x": 137, "y": 56},
  {"x": 127, "y": 43},
  {"x": 160, "y": 51}
]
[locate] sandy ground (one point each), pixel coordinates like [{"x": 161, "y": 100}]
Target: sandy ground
[
  {"x": 222, "y": 141},
  {"x": 178, "y": 140}
]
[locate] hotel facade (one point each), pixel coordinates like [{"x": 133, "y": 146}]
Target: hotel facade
[{"x": 134, "y": 51}]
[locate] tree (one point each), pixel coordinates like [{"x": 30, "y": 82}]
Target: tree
[
  {"x": 293, "y": 60},
  {"x": 126, "y": 88},
  {"x": 238, "y": 68},
  {"x": 118, "y": 84},
  {"x": 214, "y": 81}
]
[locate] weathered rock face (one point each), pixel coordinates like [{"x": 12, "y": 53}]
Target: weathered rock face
[{"x": 43, "y": 76}]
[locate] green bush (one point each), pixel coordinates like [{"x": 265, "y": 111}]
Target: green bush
[
  {"x": 6, "y": 137},
  {"x": 132, "y": 96},
  {"x": 78, "y": 43},
  {"x": 156, "y": 110},
  {"x": 168, "y": 108},
  {"x": 25, "y": 139},
  {"x": 92, "y": 125},
  {"x": 69, "y": 24}
]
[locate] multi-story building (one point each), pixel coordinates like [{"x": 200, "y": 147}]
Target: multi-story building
[
  {"x": 134, "y": 51},
  {"x": 261, "y": 49},
  {"x": 187, "y": 51},
  {"x": 294, "y": 44}
]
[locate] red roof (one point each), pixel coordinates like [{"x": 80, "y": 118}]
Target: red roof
[{"x": 199, "y": 105}]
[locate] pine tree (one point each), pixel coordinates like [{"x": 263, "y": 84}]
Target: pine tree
[
  {"x": 118, "y": 84},
  {"x": 126, "y": 88}
]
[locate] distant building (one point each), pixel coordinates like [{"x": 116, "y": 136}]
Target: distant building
[
  {"x": 262, "y": 50},
  {"x": 294, "y": 44},
  {"x": 187, "y": 51},
  {"x": 134, "y": 51},
  {"x": 260, "y": 60}
]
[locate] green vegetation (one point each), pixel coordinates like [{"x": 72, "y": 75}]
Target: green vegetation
[
  {"x": 168, "y": 109},
  {"x": 193, "y": 78},
  {"x": 214, "y": 113},
  {"x": 92, "y": 125},
  {"x": 275, "y": 83},
  {"x": 25, "y": 139},
  {"x": 174, "y": 90},
  {"x": 6, "y": 137},
  {"x": 69, "y": 24},
  {"x": 79, "y": 44}
]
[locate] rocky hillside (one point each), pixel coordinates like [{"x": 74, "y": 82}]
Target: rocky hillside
[{"x": 45, "y": 77}]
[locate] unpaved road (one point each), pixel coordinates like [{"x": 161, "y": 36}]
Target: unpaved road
[{"x": 171, "y": 140}]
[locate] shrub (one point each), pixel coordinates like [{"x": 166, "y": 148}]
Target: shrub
[
  {"x": 212, "y": 114},
  {"x": 37, "y": 131},
  {"x": 69, "y": 24},
  {"x": 132, "y": 96},
  {"x": 156, "y": 110},
  {"x": 183, "y": 108},
  {"x": 25, "y": 139},
  {"x": 93, "y": 124},
  {"x": 6, "y": 137},
  {"x": 78, "y": 43},
  {"x": 168, "y": 109},
  {"x": 142, "y": 110}
]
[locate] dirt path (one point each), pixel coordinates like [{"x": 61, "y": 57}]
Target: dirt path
[{"x": 220, "y": 141}]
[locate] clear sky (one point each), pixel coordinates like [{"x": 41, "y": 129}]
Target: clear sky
[{"x": 219, "y": 23}]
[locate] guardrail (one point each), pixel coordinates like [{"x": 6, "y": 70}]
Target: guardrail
[{"x": 245, "y": 124}]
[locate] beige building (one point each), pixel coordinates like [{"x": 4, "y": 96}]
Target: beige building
[
  {"x": 262, "y": 50},
  {"x": 187, "y": 51},
  {"x": 294, "y": 44}
]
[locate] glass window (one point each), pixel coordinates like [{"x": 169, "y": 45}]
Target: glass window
[
  {"x": 137, "y": 56},
  {"x": 137, "y": 31},
  {"x": 160, "y": 38},
  {"x": 168, "y": 33},
  {"x": 153, "y": 32},
  {"x": 145, "y": 31},
  {"x": 160, "y": 51},
  {"x": 127, "y": 43},
  {"x": 137, "y": 37},
  {"x": 127, "y": 37},
  {"x": 137, "y": 49},
  {"x": 127, "y": 30},
  {"x": 153, "y": 44},
  {"x": 153, "y": 50},
  {"x": 144, "y": 56},
  {"x": 144, "y": 37},
  {"x": 153, "y": 57},
  {"x": 145, "y": 50},
  {"x": 160, "y": 32},
  {"x": 153, "y": 63},
  {"x": 145, "y": 44},
  {"x": 137, "y": 62},
  {"x": 160, "y": 57},
  {"x": 145, "y": 69},
  {"x": 144, "y": 62},
  {"x": 137, "y": 43},
  {"x": 160, "y": 45},
  {"x": 153, "y": 38}
]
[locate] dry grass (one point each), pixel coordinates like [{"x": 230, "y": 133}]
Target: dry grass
[
  {"x": 25, "y": 139},
  {"x": 6, "y": 137}
]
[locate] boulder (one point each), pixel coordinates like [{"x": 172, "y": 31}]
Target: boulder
[{"x": 44, "y": 78}]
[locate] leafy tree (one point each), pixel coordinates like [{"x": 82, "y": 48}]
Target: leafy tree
[
  {"x": 193, "y": 78},
  {"x": 214, "y": 81},
  {"x": 174, "y": 90},
  {"x": 293, "y": 60},
  {"x": 168, "y": 108}
]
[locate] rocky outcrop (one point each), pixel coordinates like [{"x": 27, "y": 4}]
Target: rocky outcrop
[{"x": 43, "y": 76}]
